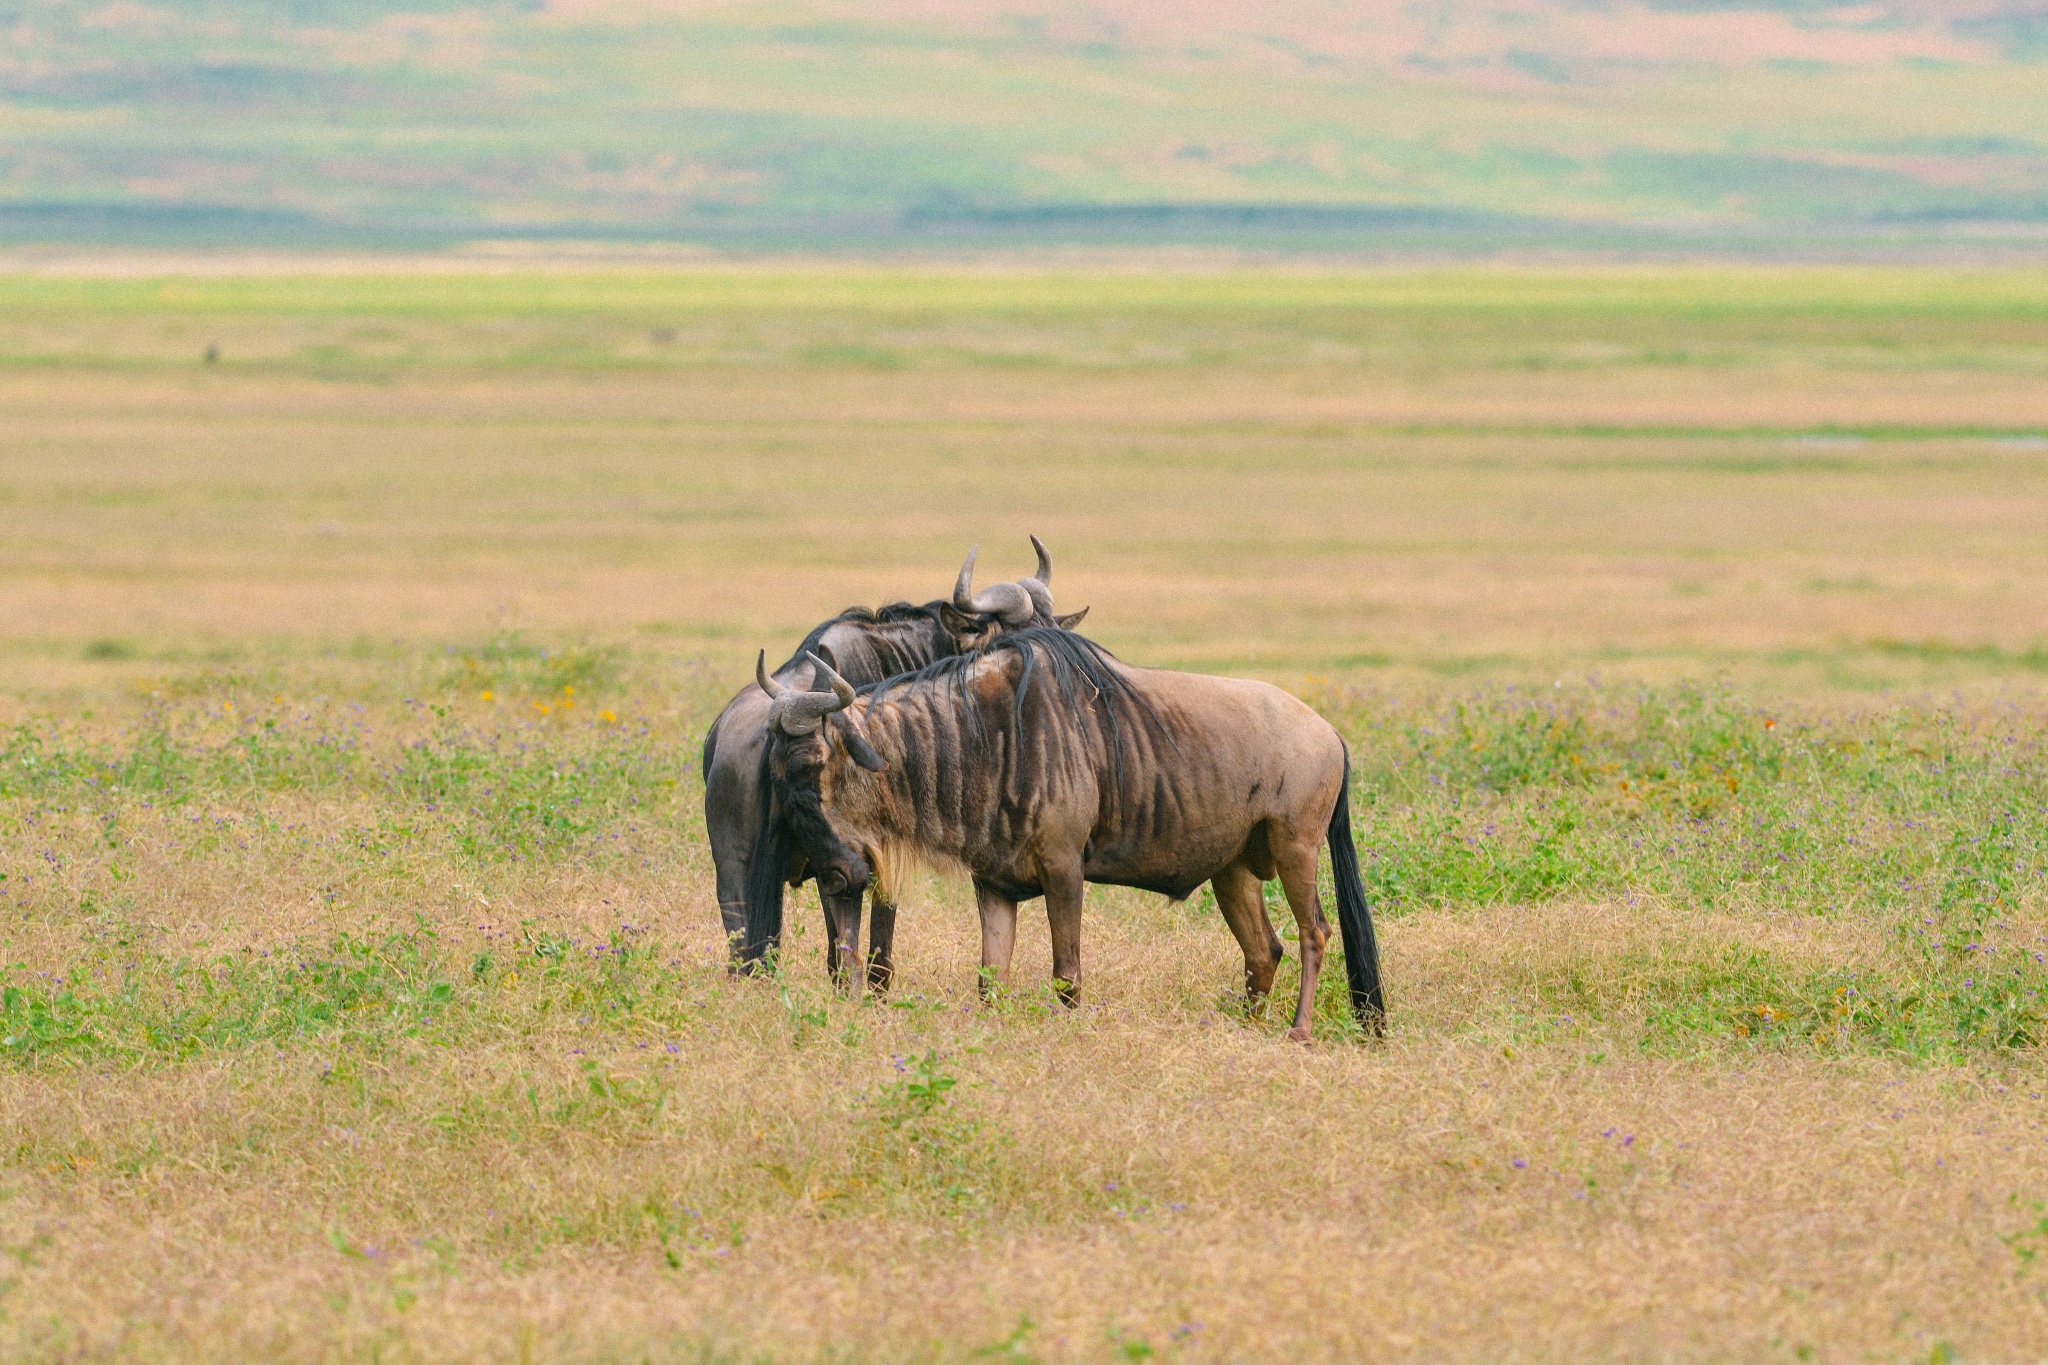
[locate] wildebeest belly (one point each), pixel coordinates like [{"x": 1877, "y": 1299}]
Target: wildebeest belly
[{"x": 1172, "y": 862}]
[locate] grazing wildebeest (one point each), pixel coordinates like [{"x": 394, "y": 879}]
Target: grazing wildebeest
[
  {"x": 865, "y": 645},
  {"x": 1040, "y": 763}
]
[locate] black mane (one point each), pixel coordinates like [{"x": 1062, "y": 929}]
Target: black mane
[
  {"x": 1072, "y": 658},
  {"x": 885, "y": 615}
]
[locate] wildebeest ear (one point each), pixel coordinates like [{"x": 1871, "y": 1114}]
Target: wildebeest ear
[
  {"x": 1071, "y": 620},
  {"x": 857, "y": 746},
  {"x": 958, "y": 622}
]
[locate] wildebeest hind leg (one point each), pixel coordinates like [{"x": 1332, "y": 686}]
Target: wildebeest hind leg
[
  {"x": 881, "y": 946},
  {"x": 998, "y": 937},
  {"x": 1297, "y": 865},
  {"x": 1239, "y": 897}
]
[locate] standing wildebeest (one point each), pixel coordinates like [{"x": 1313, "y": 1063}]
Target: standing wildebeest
[
  {"x": 869, "y": 646},
  {"x": 1040, "y": 763}
]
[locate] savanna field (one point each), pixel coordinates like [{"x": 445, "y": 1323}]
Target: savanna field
[{"x": 364, "y": 994}]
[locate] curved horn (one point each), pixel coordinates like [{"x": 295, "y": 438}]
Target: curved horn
[
  {"x": 963, "y": 587},
  {"x": 799, "y": 713},
  {"x": 1044, "y": 574},
  {"x": 842, "y": 690},
  {"x": 1040, "y": 595},
  {"x": 1008, "y": 601},
  {"x": 766, "y": 683}
]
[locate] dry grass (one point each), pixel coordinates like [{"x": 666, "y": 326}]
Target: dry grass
[
  {"x": 242, "y": 515},
  {"x": 384, "y": 1019}
]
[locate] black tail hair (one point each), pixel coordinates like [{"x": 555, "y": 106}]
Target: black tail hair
[
  {"x": 1354, "y": 917},
  {"x": 767, "y": 865}
]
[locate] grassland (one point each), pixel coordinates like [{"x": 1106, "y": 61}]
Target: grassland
[{"x": 364, "y": 998}]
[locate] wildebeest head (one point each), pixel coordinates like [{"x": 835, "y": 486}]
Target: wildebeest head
[
  {"x": 801, "y": 726},
  {"x": 977, "y": 617}
]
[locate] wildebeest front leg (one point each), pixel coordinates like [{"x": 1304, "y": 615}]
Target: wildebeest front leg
[
  {"x": 1298, "y": 878},
  {"x": 998, "y": 937},
  {"x": 881, "y": 946},
  {"x": 1063, "y": 913},
  {"x": 842, "y": 929}
]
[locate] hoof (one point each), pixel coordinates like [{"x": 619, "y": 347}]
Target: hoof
[{"x": 1300, "y": 1033}]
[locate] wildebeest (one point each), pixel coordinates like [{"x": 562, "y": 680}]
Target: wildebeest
[
  {"x": 1040, "y": 763},
  {"x": 864, "y": 645}
]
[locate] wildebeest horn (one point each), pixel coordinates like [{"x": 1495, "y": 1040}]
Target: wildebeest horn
[
  {"x": 799, "y": 713},
  {"x": 963, "y": 586},
  {"x": 841, "y": 688},
  {"x": 1039, "y": 586},
  {"x": 1009, "y": 601},
  {"x": 767, "y": 684},
  {"x": 1040, "y": 595},
  {"x": 1044, "y": 574}
]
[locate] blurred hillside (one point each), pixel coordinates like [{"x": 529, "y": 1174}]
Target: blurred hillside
[{"x": 942, "y": 122}]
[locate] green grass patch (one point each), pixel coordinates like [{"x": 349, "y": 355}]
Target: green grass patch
[
  {"x": 1691, "y": 794},
  {"x": 355, "y": 989},
  {"x": 359, "y": 994}
]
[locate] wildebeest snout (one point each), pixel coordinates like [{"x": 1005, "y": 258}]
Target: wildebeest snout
[{"x": 846, "y": 876}]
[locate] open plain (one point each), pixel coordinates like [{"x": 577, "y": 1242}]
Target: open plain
[{"x": 363, "y": 992}]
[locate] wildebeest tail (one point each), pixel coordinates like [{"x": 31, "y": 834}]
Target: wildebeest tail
[
  {"x": 1354, "y": 917},
  {"x": 767, "y": 866}
]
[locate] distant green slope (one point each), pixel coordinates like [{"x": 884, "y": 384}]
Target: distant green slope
[{"x": 780, "y": 124}]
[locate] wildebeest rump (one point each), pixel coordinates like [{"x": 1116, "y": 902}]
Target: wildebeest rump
[
  {"x": 1041, "y": 762},
  {"x": 863, "y": 645}
]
